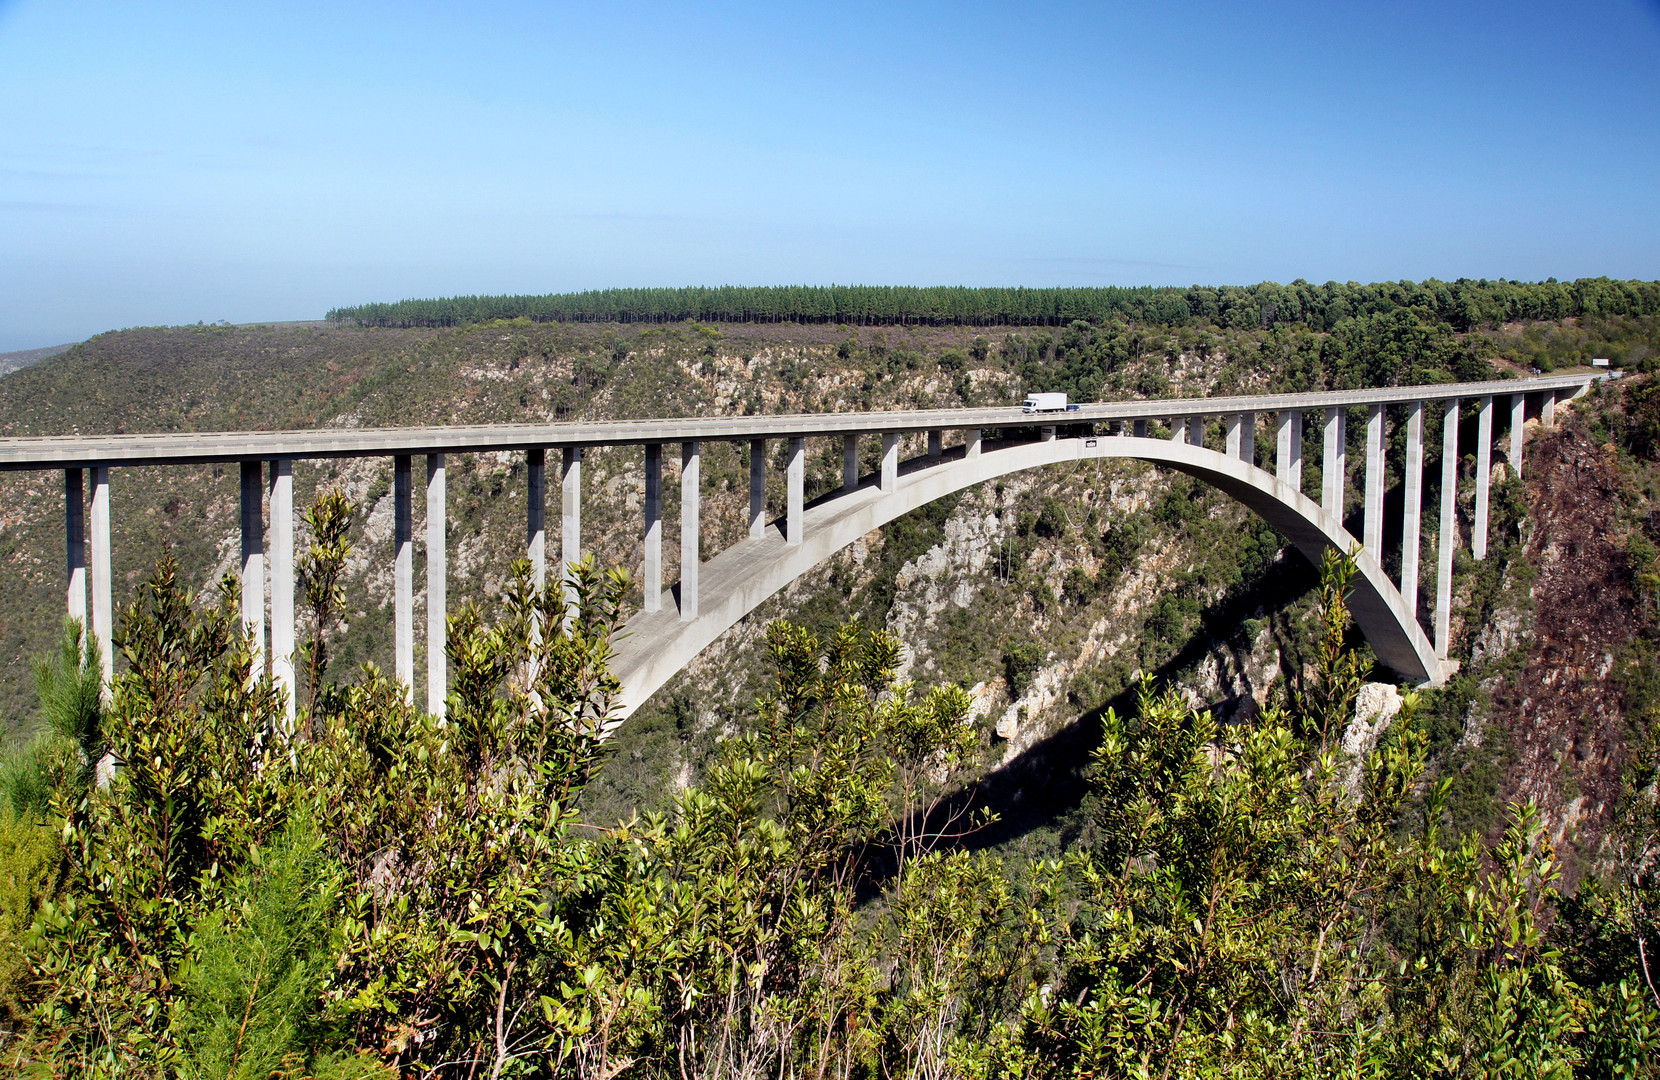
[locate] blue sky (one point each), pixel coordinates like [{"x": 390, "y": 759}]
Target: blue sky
[{"x": 168, "y": 163}]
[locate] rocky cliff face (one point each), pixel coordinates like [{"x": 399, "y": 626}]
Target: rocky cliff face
[{"x": 1547, "y": 699}]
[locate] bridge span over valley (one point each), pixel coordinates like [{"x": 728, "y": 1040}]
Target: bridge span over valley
[{"x": 678, "y": 622}]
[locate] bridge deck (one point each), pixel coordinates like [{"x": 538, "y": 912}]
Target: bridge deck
[{"x": 179, "y": 448}]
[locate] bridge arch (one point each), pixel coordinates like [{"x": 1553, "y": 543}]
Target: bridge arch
[{"x": 656, "y": 645}]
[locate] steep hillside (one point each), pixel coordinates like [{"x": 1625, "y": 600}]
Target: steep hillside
[{"x": 1046, "y": 594}]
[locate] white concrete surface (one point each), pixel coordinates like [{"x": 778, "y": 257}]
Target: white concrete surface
[
  {"x": 1447, "y": 524},
  {"x": 1414, "y": 504},
  {"x": 103, "y": 613},
  {"x": 437, "y": 587},
  {"x": 403, "y": 576},
  {"x": 281, "y": 569},
  {"x": 1484, "y": 475},
  {"x": 1372, "y": 527}
]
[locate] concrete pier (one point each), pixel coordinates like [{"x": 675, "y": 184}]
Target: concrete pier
[
  {"x": 1547, "y": 410},
  {"x": 651, "y": 585},
  {"x": 1288, "y": 448},
  {"x": 1484, "y": 475},
  {"x": 936, "y": 443},
  {"x": 1139, "y": 426},
  {"x": 438, "y": 639},
  {"x": 1334, "y": 460},
  {"x": 403, "y": 576},
  {"x": 282, "y": 585},
  {"x": 536, "y": 515},
  {"x": 795, "y": 475},
  {"x": 1447, "y": 525},
  {"x": 1195, "y": 431},
  {"x": 103, "y": 613},
  {"x": 850, "y": 462},
  {"x": 253, "y": 563},
  {"x": 757, "y": 488},
  {"x": 1248, "y": 438},
  {"x": 1234, "y": 441},
  {"x": 971, "y": 442},
  {"x": 570, "y": 522},
  {"x": 890, "y": 461},
  {"x": 691, "y": 471},
  {"x": 1518, "y": 421},
  {"x": 1414, "y": 504},
  {"x": 1372, "y": 528},
  {"x": 74, "y": 536}
]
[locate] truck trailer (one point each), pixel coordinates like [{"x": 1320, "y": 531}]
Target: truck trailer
[{"x": 1044, "y": 403}]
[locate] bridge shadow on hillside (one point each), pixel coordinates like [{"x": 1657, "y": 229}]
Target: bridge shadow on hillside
[{"x": 1040, "y": 798}]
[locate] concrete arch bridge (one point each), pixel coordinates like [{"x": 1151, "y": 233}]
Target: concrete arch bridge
[{"x": 677, "y": 623}]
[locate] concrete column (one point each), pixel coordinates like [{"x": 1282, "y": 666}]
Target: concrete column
[
  {"x": 282, "y": 584},
  {"x": 1140, "y": 429},
  {"x": 1372, "y": 534},
  {"x": 1447, "y": 525},
  {"x": 1288, "y": 448},
  {"x": 971, "y": 443},
  {"x": 74, "y": 537},
  {"x": 403, "y": 576},
  {"x": 1414, "y": 505},
  {"x": 936, "y": 443},
  {"x": 253, "y": 562},
  {"x": 438, "y": 638},
  {"x": 1518, "y": 417},
  {"x": 691, "y": 470},
  {"x": 1046, "y": 434},
  {"x": 890, "y": 461},
  {"x": 1484, "y": 475},
  {"x": 1297, "y": 451},
  {"x": 757, "y": 488},
  {"x": 1196, "y": 431},
  {"x": 652, "y": 586},
  {"x": 795, "y": 476},
  {"x": 1335, "y": 461},
  {"x": 1547, "y": 409},
  {"x": 850, "y": 462},
  {"x": 1178, "y": 429},
  {"x": 1233, "y": 444},
  {"x": 103, "y": 613},
  {"x": 570, "y": 524},
  {"x": 1248, "y": 438},
  {"x": 536, "y": 509}
]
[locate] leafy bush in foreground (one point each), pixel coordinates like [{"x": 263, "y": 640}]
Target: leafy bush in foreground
[{"x": 386, "y": 893}]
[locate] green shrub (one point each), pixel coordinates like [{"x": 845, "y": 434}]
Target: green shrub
[
  {"x": 250, "y": 996},
  {"x": 30, "y": 871}
]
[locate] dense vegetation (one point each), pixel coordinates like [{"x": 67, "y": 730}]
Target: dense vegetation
[
  {"x": 1464, "y": 304},
  {"x": 378, "y": 892}
]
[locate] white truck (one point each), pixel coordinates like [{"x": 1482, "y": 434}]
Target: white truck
[{"x": 1045, "y": 403}]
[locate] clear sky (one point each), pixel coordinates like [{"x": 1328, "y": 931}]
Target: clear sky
[{"x": 174, "y": 162}]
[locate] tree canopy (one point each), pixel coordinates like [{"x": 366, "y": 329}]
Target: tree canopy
[{"x": 1464, "y": 304}]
